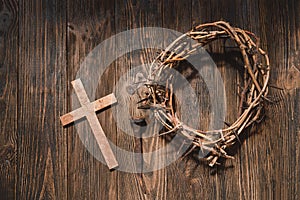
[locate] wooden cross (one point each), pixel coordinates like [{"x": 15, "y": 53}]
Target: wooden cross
[{"x": 88, "y": 110}]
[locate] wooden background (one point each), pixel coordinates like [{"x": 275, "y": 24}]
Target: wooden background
[{"x": 42, "y": 44}]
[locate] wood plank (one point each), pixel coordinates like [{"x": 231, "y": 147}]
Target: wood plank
[
  {"x": 138, "y": 14},
  {"x": 225, "y": 183},
  {"x": 89, "y": 23},
  {"x": 281, "y": 130},
  {"x": 125, "y": 14},
  {"x": 42, "y": 150},
  {"x": 8, "y": 98},
  {"x": 258, "y": 172},
  {"x": 177, "y": 15}
]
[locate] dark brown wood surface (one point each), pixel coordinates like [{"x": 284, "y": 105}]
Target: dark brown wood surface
[{"x": 42, "y": 44}]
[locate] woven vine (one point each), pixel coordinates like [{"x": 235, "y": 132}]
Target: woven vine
[{"x": 254, "y": 92}]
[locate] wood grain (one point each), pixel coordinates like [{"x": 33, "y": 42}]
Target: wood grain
[
  {"x": 42, "y": 79},
  {"x": 177, "y": 16},
  {"x": 87, "y": 177},
  {"x": 8, "y": 98},
  {"x": 43, "y": 43},
  {"x": 88, "y": 111},
  {"x": 97, "y": 105}
]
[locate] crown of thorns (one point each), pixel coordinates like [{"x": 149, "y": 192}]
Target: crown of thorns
[{"x": 255, "y": 87}]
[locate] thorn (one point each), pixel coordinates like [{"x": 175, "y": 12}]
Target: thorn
[
  {"x": 276, "y": 87},
  {"x": 142, "y": 100},
  {"x": 227, "y": 123},
  {"x": 229, "y": 157},
  {"x": 189, "y": 151},
  {"x": 213, "y": 162},
  {"x": 267, "y": 99},
  {"x": 261, "y": 119},
  {"x": 237, "y": 137},
  {"x": 144, "y": 107}
]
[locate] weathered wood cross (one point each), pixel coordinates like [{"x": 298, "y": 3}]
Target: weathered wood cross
[{"x": 88, "y": 110}]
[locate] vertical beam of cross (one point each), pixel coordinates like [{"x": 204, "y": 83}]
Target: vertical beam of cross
[{"x": 88, "y": 110}]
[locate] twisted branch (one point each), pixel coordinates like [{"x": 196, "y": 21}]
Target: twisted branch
[{"x": 256, "y": 77}]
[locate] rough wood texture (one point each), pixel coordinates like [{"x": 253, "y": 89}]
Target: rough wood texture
[
  {"x": 88, "y": 110},
  {"x": 8, "y": 98},
  {"x": 42, "y": 80},
  {"x": 42, "y": 44},
  {"x": 97, "y": 105}
]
